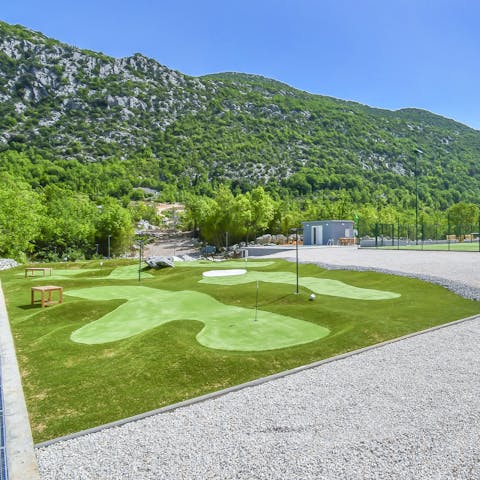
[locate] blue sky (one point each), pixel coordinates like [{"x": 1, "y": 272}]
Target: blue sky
[{"x": 383, "y": 53}]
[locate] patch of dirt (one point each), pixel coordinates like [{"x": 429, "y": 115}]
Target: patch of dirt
[{"x": 171, "y": 245}]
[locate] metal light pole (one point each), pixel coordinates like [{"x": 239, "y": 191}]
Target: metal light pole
[
  {"x": 416, "y": 202},
  {"x": 419, "y": 152},
  {"x": 108, "y": 246},
  {"x": 478, "y": 234},
  {"x": 296, "y": 255}
]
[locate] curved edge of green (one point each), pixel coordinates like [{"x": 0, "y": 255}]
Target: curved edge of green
[
  {"x": 225, "y": 263},
  {"x": 226, "y": 327},
  {"x": 320, "y": 286}
]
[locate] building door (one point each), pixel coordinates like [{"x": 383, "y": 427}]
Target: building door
[{"x": 317, "y": 235}]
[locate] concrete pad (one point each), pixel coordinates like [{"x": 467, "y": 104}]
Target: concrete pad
[{"x": 21, "y": 460}]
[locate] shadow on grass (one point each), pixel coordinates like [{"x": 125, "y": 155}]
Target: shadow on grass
[
  {"x": 30, "y": 307},
  {"x": 275, "y": 300}
]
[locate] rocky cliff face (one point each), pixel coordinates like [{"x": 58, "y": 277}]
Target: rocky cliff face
[{"x": 45, "y": 82}]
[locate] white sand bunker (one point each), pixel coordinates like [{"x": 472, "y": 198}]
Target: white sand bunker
[{"x": 225, "y": 273}]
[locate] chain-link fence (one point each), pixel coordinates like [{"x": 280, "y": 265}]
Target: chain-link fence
[{"x": 423, "y": 236}]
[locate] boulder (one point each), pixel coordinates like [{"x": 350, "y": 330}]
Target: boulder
[{"x": 6, "y": 263}]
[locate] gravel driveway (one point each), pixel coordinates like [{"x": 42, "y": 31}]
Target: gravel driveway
[
  {"x": 406, "y": 410},
  {"x": 458, "y": 271},
  {"x": 456, "y": 266}
]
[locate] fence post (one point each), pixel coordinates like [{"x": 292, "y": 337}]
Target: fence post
[
  {"x": 448, "y": 231},
  {"x": 423, "y": 233},
  {"x": 376, "y": 235},
  {"x": 398, "y": 234}
]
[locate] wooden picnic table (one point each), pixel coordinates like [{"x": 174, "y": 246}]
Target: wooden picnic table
[
  {"x": 37, "y": 269},
  {"x": 346, "y": 241},
  {"x": 46, "y": 289}
]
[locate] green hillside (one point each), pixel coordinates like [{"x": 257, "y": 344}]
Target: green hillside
[{"x": 105, "y": 125}]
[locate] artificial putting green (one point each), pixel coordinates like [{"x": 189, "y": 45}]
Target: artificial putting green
[
  {"x": 226, "y": 264},
  {"x": 58, "y": 274},
  {"x": 70, "y": 386},
  {"x": 226, "y": 327},
  {"x": 127, "y": 272},
  {"x": 320, "y": 286}
]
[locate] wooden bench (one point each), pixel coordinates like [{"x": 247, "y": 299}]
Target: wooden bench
[
  {"x": 37, "y": 269},
  {"x": 44, "y": 290}
]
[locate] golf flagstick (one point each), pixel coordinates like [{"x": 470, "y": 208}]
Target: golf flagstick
[{"x": 256, "y": 303}]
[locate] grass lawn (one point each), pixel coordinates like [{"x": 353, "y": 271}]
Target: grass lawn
[
  {"x": 115, "y": 348},
  {"x": 454, "y": 247},
  {"x": 226, "y": 327}
]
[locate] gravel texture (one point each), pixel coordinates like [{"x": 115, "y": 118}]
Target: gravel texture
[
  {"x": 457, "y": 271},
  {"x": 460, "y": 288},
  {"x": 406, "y": 410}
]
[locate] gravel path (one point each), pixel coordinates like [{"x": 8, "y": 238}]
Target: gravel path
[
  {"x": 461, "y": 267},
  {"x": 407, "y": 410},
  {"x": 457, "y": 271}
]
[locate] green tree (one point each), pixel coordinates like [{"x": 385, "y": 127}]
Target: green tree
[
  {"x": 69, "y": 227},
  {"x": 286, "y": 216},
  {"x": 262, "y": 210},
  {"x": 463, "y": 214},
  {"x": 220, "y": 218},
  {"x": 21, "y": 214},
  {"x": 463, "y": 217},
  {"x": 115, "y": 223},
  {"x": 144, "y": 211},
  {"x": 198, "y": 213}
]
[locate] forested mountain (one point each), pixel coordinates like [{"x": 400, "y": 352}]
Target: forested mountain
[{"x": 102, "y": 125}]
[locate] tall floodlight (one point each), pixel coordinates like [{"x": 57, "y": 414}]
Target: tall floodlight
[
  {"x": 418, "y": 152},
  {"x": 478, "y": 231},
  {"x": 108, "y": 246},
  {"x": 296, "y": 251}
]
